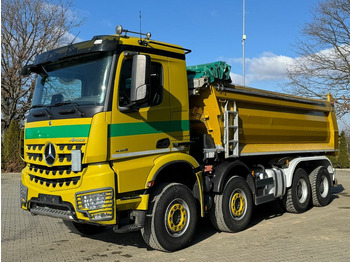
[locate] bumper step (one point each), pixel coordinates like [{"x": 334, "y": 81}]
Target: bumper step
[{"x": 46, "y": 211}]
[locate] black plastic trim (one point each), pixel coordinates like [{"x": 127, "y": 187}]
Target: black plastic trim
[
  {"x": 153, "y": 51},
  {"x": 38, "y": 114},
  {"x": 222, "y": 170},
  {"x": 110, "y": 90},
  {"x": 108, "y": 44}
]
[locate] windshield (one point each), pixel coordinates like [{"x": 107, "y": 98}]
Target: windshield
[{"x": 80, "y": 80}]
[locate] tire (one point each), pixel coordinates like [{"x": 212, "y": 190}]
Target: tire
[
  {"x": 83, "y": 229},
  {"x": 172, "y": 218},
  {"x": 232, "y": 210},
  {"x": 320, "y": 181},
  {"x": 297, "y": 198}
]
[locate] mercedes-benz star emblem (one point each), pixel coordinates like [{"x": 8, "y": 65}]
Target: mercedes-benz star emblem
[{"x": 50, "y": 154}]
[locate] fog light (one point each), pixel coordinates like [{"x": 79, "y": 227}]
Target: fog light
[{"x": 102, "y": 216}]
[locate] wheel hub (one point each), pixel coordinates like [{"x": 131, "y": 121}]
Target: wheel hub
[
  {"x": 324, "y": 186},
  {"x": 237, "y": 204},
  {"x": 177, "y": 218},
  {"x": 302, "y": 191}
]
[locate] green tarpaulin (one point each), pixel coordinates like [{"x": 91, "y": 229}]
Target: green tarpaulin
[{"x": 217, "y": 71}]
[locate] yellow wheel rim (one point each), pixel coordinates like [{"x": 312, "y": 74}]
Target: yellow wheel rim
[
  {"x": 177, "y": 217},
  {"x": 237, "y": 204}
]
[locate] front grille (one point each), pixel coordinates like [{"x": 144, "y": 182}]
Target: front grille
[
  {"x": 50, "y": 171},
  {"x": 35, "y": 147},
  {"x": 63, "y": 157},
  {"x": 35, "y": 153},
  {"x": 58, "y": 174},
  {"x": 60, "y": 182},
  {"x": 70, "y": 146},
  {"x": 53, "y": 178},
  {"x": 35, "y": 157}
]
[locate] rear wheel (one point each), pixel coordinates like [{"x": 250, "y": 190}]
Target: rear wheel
[
  {"x": 320, "y": 181},
  {"x": 298, "y": 196},
  {"x": 83, "y": 229},
  {"x": 232, "y": 210},
  {"x": 172, "y": 221}
]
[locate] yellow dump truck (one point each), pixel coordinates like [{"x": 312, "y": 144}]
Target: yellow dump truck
[{"x": 121, "y": 133}]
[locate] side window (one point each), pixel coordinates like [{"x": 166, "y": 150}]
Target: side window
[
  {"x": 156, "y": 84},
  {"x": 125, "y": 83},
  {"x": 156, "y": 90}
]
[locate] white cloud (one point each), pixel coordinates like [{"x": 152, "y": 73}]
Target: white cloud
[
  {"x": 271, "y": 67},
  {"x": 266, "y": 67},
  {"x": 236, "y": 79}
]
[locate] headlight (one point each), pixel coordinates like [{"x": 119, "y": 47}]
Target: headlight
[
  {"x": 93, "y": 201},
  {"x": 97, "y": 205}
]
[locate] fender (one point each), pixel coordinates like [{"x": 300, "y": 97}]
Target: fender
[
  {"x": 293, "y": 164},
  {"x": 222, "y": 171},
  {"x": 165, "y": 160}
]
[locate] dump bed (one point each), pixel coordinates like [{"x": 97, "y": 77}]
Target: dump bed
[{"x": 244, "y": 121}]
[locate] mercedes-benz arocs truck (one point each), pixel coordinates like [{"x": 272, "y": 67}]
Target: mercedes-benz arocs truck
[{"x": 121, "y": 133}]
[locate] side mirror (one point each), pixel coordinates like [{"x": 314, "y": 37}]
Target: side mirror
[{"x": 140, "y": 80}]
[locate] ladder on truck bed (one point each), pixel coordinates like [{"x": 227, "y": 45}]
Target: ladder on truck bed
[{"x": 231, "y": 143}]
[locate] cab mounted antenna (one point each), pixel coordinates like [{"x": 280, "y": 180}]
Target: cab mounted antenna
[
  {"x": 140, "y": 25},
  {"x": 74, "y": 38}
]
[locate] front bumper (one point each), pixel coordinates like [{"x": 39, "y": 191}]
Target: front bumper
[{"x": 41, "y": 196}]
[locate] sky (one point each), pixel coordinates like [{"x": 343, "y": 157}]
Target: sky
[{"x": 212, "y": 30}]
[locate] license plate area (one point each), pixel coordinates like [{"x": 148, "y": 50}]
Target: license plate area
[{"x": 50, "y": 199}]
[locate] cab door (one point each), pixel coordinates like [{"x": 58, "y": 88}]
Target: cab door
[{"x": 137, "y": 137}]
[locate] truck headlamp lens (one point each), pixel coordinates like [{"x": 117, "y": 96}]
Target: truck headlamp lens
[
  {"x": 97, "y": 205},
  {"x": 94, "y": 201}
]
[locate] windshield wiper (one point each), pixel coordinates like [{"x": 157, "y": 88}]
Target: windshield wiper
[
  {"x": 74, "y": 104},
  {"x": 47, "y": 111}
]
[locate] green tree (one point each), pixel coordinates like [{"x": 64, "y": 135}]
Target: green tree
[
  {"x": 10, "y": 157},
  {"x": 334, "y": 161},
  {"x": 343, "y": 157}
]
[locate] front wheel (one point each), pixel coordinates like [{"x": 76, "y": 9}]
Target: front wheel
[
  {"x": 232, "y": 209},
  {"x": 172, "y": 221},
  {"x": 298, "y": 196}
]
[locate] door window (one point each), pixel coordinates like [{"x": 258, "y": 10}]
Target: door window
[{"x": 156, "y": 95}]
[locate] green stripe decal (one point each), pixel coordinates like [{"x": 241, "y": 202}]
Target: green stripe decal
[
  {"x": 57, "y": 131},
  {"x": 144, "y": 128}
]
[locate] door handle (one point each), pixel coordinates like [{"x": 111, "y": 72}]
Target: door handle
[{"x": 163, "y": 143}]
